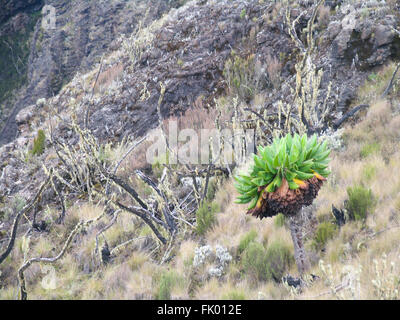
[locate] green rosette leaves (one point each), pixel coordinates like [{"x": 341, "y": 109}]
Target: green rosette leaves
[{"x": 291, "y": 158}]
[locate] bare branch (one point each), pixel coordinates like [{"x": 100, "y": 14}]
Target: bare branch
[
  {"x": 115, "y": 250},
  {"x": 27, "y": 264},
  {"x": 124, "y": 157},
  {"x": 24, "y": 210},
  {"x": 349, "y": 114},
  {"x": 391, "y": 82},
  {"x": 144, "y": 215}
]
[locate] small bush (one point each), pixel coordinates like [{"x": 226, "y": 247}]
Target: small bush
[
  {"x": 166, "y": 283},
  {"x": 267, "y": 264},
  {"x": 279, "y": 259},
  {"x": 243, "y": 77},
  {"x": 325, "y": 232},
  {"x": 254, "y": 263},
  {"x": 205, "y": 217},
  {"x": 373, "y": 77},
  {"x": 246, "y": 240},
  {"x": 38, "y": 143},
  {"x": 279, "y": 220},
  {"x": 361, "y": 202},
  {"x": 234, "y": 295},
  {"x": 369, "y": 148}
]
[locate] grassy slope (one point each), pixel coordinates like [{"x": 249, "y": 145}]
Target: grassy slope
[{"x": 353, "y": 255}]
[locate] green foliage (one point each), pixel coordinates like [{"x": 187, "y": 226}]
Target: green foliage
[
  {"x": 246, "y": 240},
  {"x": 157, "y": 169},
  {"x": 234, "y": 295},
  {"x": 361, "y": 202},
  {"x": 205, "y": 217},
  {"x": 292, "y": 158},
  {"x": 266, "y": 264},
  {"x": 241, "y": 77},
  {"x": 369, "y": 148},
  {"x": 166, "y": 283},
  {"x": 373, "y": 77},
  {"x": 279, "y": 259},
  {"x": 38, "y": 143},
  {"x": 325, "y": 231},
  {"x": 253, "y": 261},
  {"x": 242, "y": 13},
  {"x": 280, "y": 220}
]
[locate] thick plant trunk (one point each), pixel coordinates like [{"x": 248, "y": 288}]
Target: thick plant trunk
[{"x": 296, "y": 230}]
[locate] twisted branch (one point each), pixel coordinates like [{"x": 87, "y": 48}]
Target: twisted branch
[{"x": 24, "y": 210}]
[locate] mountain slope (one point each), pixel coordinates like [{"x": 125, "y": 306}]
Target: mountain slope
[{"x": 205, "y": 61}]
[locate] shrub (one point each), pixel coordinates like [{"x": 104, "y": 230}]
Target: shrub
[
  {"x": 38, "y": 143},
  {"x": 166, "y": 283},
  {"x": 234, "y": 295},
  {"x": 205, "y": 217},
  {"x": 361, "y": 202},
  {"x": 243, "y": 78},
  {"x": 212, "y": 189},
  {"x": 373, "y": 77},
  {"x": 279, "y": 259},
  {"x": 279, "y": 220},
  {"x": 254, "y": 263},
  {"x": 325, "y": 232},
  {"x": 246, "y": 240},
  {"x": 267, "y": 264}
]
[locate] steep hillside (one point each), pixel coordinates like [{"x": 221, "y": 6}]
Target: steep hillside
[
  {"x": 50, "y": 57},
  {"x": 76, "y": 184}
]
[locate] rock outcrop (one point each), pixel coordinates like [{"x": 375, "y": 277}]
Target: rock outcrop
[
  {"x": 365, "y": 35},
  {"x": 84, "y": 30}
]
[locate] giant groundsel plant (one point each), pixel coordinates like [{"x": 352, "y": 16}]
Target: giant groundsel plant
[{"x": 283, "y": 178}]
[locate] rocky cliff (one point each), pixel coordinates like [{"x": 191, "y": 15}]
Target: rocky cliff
[
  {"x": 83, "y": 32},
  {"x": 11, "y": 8}
]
